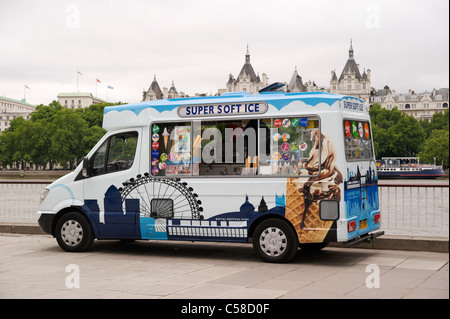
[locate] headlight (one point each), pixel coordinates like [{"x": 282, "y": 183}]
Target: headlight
[{"x": 44, "y": 194}]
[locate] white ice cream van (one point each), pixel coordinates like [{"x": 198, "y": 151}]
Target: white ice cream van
[{"x": 280, "y": 170}]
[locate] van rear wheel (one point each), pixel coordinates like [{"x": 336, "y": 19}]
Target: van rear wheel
[
  {"x": 275, "y": 241},
  {"x": 74, "y": 232}
]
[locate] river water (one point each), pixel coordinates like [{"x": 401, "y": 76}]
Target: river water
[{"x": 409, "y": 210}]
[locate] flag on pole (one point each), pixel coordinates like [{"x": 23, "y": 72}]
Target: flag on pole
[
  {"x": 98, "y": 81},
  {"x": 108, "y": 87},
  {"x": 78, "y": 73},
  {"x": 25, "y": 92}
]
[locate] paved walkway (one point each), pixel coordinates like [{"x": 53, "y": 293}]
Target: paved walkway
[{"x": 33, "y": 266}]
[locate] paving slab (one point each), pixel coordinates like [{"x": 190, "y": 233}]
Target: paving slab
[
  {"x": 412, "y": 263},
  {"x": 34, "y": 267}
]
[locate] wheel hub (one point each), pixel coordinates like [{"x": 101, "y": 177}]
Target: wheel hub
[
  {"x": 273, "y": 241},
  {"x": 71, "y": 232}
]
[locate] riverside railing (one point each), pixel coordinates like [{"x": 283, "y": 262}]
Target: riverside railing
[
  {"x": 415, "y": 209},
  {"x": 408, "y": 209},
  {"x": 20, "y": 200}
]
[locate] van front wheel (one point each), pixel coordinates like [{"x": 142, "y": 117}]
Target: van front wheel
[
  {"x": 275, "y": 241},
  {"x": 73, "y": 232}
]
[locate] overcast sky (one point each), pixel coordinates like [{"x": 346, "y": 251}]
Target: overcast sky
[{"x": 198, "y": 43}]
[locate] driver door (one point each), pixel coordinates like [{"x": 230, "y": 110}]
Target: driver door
[{"x": 114, "y": 162}]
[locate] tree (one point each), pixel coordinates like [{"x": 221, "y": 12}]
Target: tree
[
  {"x": 93, "y": 114},
  {"x": 91, "y": 137},
  {"x": 54, "y": 135},
  {"x": 46, "y": 113},
  {"x": 384, "y": 118},
  {"x": 380, "y": 141},
  {"x": 8, "y": 142},
  {"x": 439, "y": 121},
  {"x": 40, "y": 153},
  {"x": 66, "y": 133},
  {"x": 406, "y": 137},
  {"x": 436, "y": 146}
]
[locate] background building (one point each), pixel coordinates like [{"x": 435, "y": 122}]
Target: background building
[
  {"x": 11, "y": 109},
  {"x": 420, "y": 105},
  {"x": 154, "y": 92},
  {"x": 351, "y": 81},
  {"x": 76, "y": 100},
  {"x": 296, "y": 85},
  {"x": 247, "y": 80}
]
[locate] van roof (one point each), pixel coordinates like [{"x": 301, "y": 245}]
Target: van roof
[
  {"x": 143, "y": 113},
  {"x": 277, "y": 99}
]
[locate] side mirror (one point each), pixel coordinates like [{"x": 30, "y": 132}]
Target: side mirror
[{"x": 86, "y": 170}]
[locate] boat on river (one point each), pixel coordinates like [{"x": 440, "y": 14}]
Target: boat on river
[{"x": 407, "y": 167}]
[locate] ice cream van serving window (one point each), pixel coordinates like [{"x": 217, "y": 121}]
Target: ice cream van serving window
[
  {"x": 291, "y": 146},
  {"x": 358, "y": 140},
  {"x": 285, "y": 146}
]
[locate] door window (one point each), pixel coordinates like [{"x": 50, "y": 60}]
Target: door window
[{"x": 117, "y": 153}]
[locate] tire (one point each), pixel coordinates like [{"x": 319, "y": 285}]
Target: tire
[
  {"x": 74, "y": 232},
  {"x": 275, "y": 241}
]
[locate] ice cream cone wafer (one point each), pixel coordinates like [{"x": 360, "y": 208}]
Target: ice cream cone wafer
[
  {"x": 314, "y": 229},
  {"x": 295, "y": 205},
  {"x": 304, "y": 214}
]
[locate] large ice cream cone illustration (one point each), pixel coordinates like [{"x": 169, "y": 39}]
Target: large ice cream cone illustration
[{"x": 303, "y": 195}]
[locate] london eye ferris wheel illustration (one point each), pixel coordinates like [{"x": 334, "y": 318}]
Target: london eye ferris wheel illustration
[{"x": 162, "y": 198}]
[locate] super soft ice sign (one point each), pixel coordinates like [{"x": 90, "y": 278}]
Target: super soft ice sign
[
  {"x": 353, "y": 105},
  {"x": 222, "y": 109}
]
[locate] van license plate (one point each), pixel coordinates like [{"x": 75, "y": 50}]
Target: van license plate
[{"x": 363, "y": 224}]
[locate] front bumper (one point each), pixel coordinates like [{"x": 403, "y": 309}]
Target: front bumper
[{"x": 45, "y": 222}]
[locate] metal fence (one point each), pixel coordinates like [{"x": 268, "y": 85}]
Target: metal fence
[
  {"x": 407, "y": 209},
  {"x": 19, "y": 200},
  {"x": 414, "y": 209}
]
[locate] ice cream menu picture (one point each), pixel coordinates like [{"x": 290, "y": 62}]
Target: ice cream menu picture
[
  {"x": 171, "y": 149},
  {"x": 358, "y": 141},
  {"x": 291, "y": 145},
  {"x": 181, "y": 137}
]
